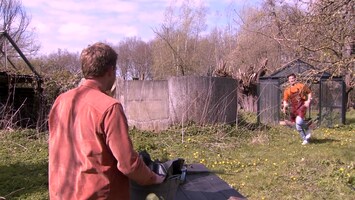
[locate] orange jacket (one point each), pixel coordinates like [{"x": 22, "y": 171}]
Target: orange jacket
[{"x": 91, "y": 155}]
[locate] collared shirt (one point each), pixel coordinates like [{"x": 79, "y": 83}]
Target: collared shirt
[{"x": 91, "y": 155}]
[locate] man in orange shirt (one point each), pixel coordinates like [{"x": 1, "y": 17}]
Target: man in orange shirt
[
  {"x": 91, "y": 155},
  {"x": 299, "y": 96}
]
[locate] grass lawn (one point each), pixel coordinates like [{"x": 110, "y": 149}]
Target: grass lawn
[{"x": 261, "y": 163}]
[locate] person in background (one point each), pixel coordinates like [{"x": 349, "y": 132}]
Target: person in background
[
  {"x": 298, "y": 96},
  {"x": 91, "y": 155}
]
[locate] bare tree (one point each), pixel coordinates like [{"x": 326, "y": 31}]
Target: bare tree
[
  {"x": 62, "y": 60},
  {"x": 320, "y": 31},
  {"x": 123, "y": 59},
  {"x": 256, "y": 52},
  {"x": 179, "y": 35},
  {"x": 15, "y": 22},
  {"x": 61, "y": 72},
  {"x": 332, "y": 25},
  {"x": 134, "y": 59},
  {"x": 142, "y": 60}
]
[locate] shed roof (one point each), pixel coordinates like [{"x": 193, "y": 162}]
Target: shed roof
[{"x": 297, "y": 67}]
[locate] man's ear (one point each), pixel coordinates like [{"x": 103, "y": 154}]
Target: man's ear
[
  {"x": 111, "y": 69},
  {"x": 114, "y": 69}
]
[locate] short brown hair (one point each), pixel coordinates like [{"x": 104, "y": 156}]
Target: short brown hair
[{"x": 96, "y": 59}]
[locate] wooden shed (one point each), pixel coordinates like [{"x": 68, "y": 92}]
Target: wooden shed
[
  {"x": 21, "y": 93},
  {"x": 327, "y": 108}
]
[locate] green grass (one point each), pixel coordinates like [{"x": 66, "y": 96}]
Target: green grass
[
  {"x": 261, "y": 163},
  {"x": 23, "y": 165}
]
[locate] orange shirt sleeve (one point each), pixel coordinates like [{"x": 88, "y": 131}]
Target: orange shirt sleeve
[
  {"x": 118, "y": 140},
  {"x": 286, "y": 94}
]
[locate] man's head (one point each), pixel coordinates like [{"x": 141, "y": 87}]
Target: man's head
[
  {"x": 291, "y": 78},
  {"x": 97, "y": 59}
]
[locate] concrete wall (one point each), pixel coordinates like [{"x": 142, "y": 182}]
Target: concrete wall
[
  {"x": 146, "y": 103},
  {"x": 155, "y": 105}
]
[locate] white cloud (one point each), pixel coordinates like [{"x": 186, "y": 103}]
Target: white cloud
[
  {"x": 76, "y": 29},
  {"x": 73, "y": 24}
]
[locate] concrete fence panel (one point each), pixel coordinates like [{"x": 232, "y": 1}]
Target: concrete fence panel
[
  {"x": 146, "y": 103},
  {"x": 155, "y": 105},
  {"x": 202, "y": 99}
]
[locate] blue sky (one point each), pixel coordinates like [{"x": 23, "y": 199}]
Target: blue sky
[{"x": 73, "y": 24}]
